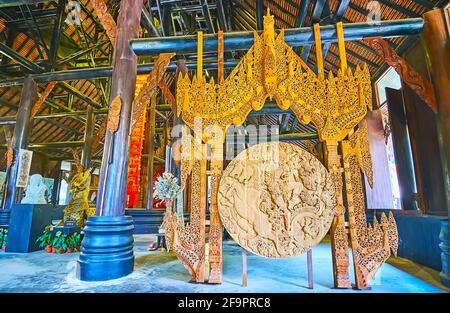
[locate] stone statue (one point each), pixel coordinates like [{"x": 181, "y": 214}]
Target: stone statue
[
  {"x": 77, "y": 208},
  {"x": 35, "y": 192}
]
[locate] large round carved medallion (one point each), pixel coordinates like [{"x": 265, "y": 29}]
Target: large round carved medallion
[{"x": 276, "y": 200}]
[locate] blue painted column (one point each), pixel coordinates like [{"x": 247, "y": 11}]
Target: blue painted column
[
  {"x": 107, "y": 247},
  {"x": 20, "y": 140},
  {"x": 436, "y": 40}
]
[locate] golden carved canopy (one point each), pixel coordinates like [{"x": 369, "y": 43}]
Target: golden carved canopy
[{"x": 271, "y": 69}]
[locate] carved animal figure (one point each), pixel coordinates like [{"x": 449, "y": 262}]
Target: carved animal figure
[{"x": 78, "y": 206}]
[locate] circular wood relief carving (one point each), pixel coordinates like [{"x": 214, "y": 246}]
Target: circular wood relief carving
[{"x": 276, "y": 200}]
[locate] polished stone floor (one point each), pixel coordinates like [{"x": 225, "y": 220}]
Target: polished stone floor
[{"x": 162, "y": 272}]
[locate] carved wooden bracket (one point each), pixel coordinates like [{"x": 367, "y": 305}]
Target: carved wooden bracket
[
  {"x": 411, "y": 77},
  {"x": 149, "y": 90},
  {"x": 100, "y": 135},
  {"x": 40, "y": 102},
  {"x": 106, "y": 19}
]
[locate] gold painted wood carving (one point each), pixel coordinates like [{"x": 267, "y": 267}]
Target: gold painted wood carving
[
  {"x": 149, "y": 89},
  {"x": 188, "y": 241},
  {"x": 215, "y": 228},
  {"x": 272, "y": 70},
  {"x": 276, "y": 200},
  {"x": 371, "y": 245},
  {"x": 421, "y": 86}
]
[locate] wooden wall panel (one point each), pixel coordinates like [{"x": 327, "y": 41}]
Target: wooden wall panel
[
  {"x": 424, "y": 143},
  {"x": 402, "y": 148},
  {"x": 380, "y": 196}
]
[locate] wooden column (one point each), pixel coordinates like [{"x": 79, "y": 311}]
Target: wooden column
[
  {"x": 88, "y": 137},
  {"x": 436, "y": 35},
  {"x": 436, "y": 40},
  {"x": 151, "y": 154},
  {"x": 113, "y": 175},
  {"x": 22, "y": 130}
]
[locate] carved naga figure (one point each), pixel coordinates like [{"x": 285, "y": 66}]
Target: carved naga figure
[{"x": 78, "y": 206}]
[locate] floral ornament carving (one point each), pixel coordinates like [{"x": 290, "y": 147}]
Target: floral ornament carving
[
  {"x": 371, "y": 245},
  {"x": 114, "y": 114},
  {"x": 276, "y": 200}
]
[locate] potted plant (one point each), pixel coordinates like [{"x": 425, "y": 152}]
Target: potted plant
[
  {"x": 5, "y": 239},
  {"x": 77, "y": 241},
  {"x": 73, "y": 242},
  {"x": 1, "y": 236},
  {"x": 59, "y": 243},
  {"x": 46, "y": 240},
  {"x": 167, "y": 189},
  {"x": 70, "y": 243}
]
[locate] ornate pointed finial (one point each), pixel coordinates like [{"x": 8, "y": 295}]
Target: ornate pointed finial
[{"x": 268, "y": 11}]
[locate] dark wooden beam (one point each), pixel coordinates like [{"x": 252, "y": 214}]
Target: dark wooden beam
[
  {"x": 259, "y": 14},
  {"x": 88, "y": 137}
]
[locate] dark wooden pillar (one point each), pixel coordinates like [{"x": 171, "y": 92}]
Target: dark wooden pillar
[
  {"x": 22, "y": 130},
  {"x": 107, "y": 247},
  {"x": 113, "y": 175},
  {"x": 436, "y": 41},
  {"x": 436, "y": 38},
  {"x": 151, "y": 154},
  {"x": 402, "y": 149},
  {"x": 427, "y": 163},
  {"x": 88, "y": 136}
]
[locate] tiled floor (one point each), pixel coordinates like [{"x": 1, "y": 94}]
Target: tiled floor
[{"x": 162, "y": 272}]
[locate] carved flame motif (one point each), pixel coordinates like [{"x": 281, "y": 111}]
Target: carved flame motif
[{"x": 371, "y": 245}]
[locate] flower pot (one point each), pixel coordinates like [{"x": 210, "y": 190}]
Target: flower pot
[
  {"x": 69, "y": 250},
  {"x": 48, "y": 249},
  {"x": 53, "y": 250},
  {"x": 62, "y": 251},
  {"x": 3, "y": 248}
]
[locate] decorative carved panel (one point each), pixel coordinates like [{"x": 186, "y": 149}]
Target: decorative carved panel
[
  {"x": 371, "y": 245},
  {"x": 276, "y": 200},
  {"x": 272, "y": 70},
  {"x": 188, "y": 241}
]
